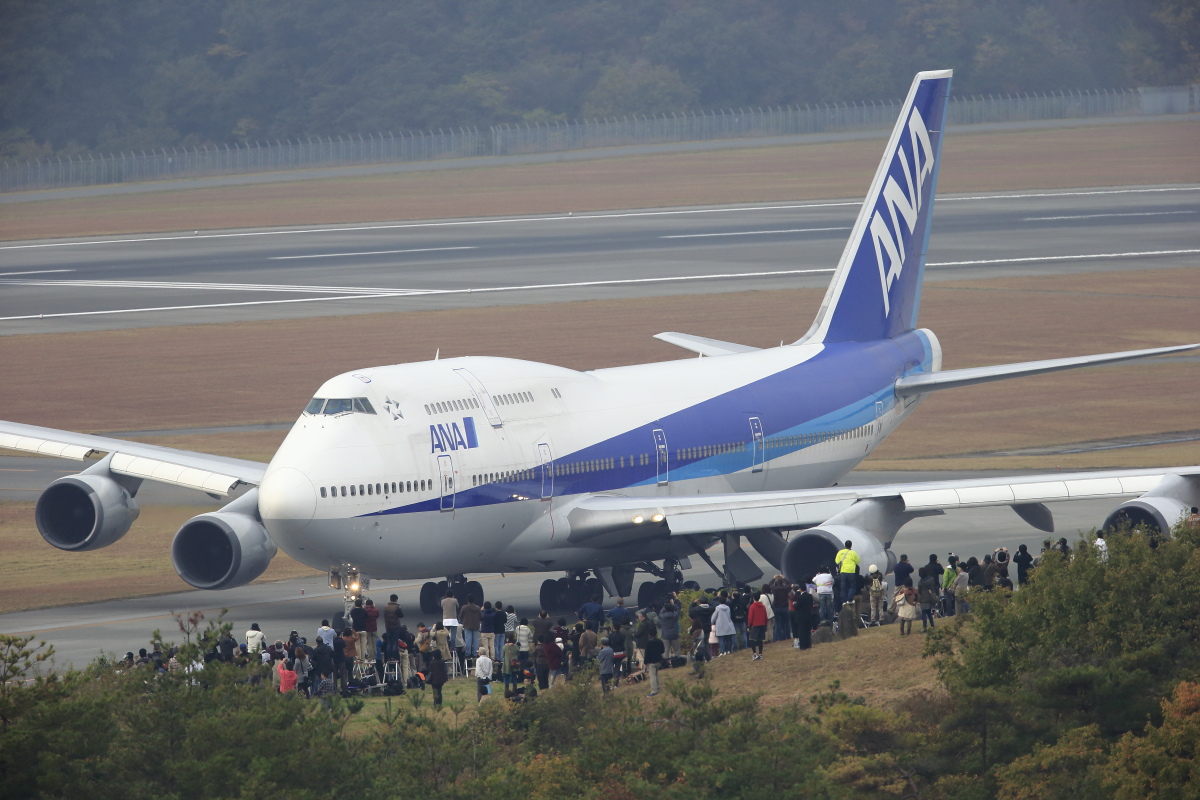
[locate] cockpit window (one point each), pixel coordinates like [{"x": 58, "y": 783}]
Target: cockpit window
[{"x": 339, "y": 405}]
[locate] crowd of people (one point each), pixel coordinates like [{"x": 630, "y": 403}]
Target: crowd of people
[{"x": 374, "y": 647}]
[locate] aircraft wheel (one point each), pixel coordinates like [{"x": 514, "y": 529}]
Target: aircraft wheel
[
  {"x": 475, "y": 589},
  {"x": 429, "y": 598},
  {"x": 645, "y": 594},
  {"x": 592, "y": 588},
  {"x": 573, "y": 597},
  {"x": 548, "y": 596},
  {"x": 691, "y": 585},
  {"x": 460, "y": 593},
  {"x": 661, "y": 590}
]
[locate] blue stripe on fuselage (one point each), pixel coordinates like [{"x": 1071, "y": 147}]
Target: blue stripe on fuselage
[{"x": 836, "y": 389}]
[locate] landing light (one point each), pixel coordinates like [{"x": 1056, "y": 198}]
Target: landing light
[
  {"x": 354, "y": 587},
  {"x": 639, "y": 519},
  {"x": 658, "y": 518}
]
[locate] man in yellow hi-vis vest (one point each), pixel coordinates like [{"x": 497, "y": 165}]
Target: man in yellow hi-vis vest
[{"x": 847, "y": 565}]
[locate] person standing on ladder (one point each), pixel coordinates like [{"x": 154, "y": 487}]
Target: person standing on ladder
[{"x": 847, "y": 564}]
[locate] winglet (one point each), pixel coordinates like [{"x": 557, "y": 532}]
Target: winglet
[{"x": 876, "y": 288}]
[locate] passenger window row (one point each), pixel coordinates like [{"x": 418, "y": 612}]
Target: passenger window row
[
  {"x": 806, "y": 439},
  {"x": 709, "y": 450},
  {"x": 512, "y": 398},
  {"x": 339, "y": 405},
  {"x": 494, "y": 477},
  {"x": 372, "y": 489},
  {"x": 451, "y": 405}
]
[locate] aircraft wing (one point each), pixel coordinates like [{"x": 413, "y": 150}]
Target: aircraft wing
[
  {"x": 200, "y": 471},
  {"x": 605, "y": 519},
  {"x": 953, "y": 378}
]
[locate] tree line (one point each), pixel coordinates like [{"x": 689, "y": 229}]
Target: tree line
[
  {"x": 97, "y": 76},
  {"x": 1082, "y": 684}
]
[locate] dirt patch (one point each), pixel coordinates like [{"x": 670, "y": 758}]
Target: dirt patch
[
  {"x": 31, "y": 573},
  {"x": 1151, "y": 153}
]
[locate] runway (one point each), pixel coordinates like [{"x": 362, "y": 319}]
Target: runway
[
  {"x": 210, "y": 277},
  {"x": 81, "y": 632}
]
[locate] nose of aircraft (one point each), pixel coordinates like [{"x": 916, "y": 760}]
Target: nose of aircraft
[{"x": 286, "y": 494}]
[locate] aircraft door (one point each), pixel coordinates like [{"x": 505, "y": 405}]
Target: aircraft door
[
  {"x": 547, "y": 461},
  {"x": 446, "y": 481},
  {"x": 660, "y": 447},
  {"x": 758, "y": 450},
  {"x": 483, "y": 397}
]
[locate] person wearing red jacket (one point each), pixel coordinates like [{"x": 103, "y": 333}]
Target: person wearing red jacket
[
  {"x": 554, "y": 659},
  {"x": 756, "y": 622}
]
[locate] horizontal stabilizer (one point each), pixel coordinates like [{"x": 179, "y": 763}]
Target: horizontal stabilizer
[
  {"x": 953, "y": 378},
  {"x": 703, "y": 346}
]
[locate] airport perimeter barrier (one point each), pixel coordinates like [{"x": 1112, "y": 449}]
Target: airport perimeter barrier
[{"x": 550, "y": 137}]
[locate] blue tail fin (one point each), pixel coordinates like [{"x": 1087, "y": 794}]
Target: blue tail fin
[{"x": 876, "y": 287}]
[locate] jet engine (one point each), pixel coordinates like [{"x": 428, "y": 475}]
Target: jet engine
[
  {"x": 869, "y": 525},
  {"x": 85, "y": 512},
  {"x": 1159, "y": 509},
  {"x": 806, "y": 552},
  {"x": 223, "y": 549}
]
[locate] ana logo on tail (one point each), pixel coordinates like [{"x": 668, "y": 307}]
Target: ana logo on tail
[{"x": 902, "y": 203}]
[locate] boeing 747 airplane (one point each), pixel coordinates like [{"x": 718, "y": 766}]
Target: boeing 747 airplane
[{"x": 445, "y": 468}]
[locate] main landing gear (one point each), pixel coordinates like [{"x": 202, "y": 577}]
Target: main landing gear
[
  {"x": 433, "y": 592},
  {"x": 569, "y": 593},
  {"x": 670, "y": 579},
  {"x": 579, "y": 586}
]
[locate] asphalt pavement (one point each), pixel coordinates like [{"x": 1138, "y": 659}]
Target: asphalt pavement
[{"x": 223, "y": 276}]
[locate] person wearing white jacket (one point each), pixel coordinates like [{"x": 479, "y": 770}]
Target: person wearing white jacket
[
  {"x": 764, "y": 597},
  {"x": 722, "y": 625},
  {"x": 255, "y": 639}
]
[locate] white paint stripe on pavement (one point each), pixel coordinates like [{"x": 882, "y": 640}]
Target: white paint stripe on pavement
[{"x": 418, "y": 292}]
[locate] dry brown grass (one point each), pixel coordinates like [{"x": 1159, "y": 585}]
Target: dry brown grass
[
  {"x": 1146, "y": 153},
  {"x": 171, "y": 383},
  {"x": 31, "y": 572},
  {"x": 878, "y": 665}
]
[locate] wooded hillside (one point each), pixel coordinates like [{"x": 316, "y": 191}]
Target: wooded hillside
[{"x": 96, "y": 75}]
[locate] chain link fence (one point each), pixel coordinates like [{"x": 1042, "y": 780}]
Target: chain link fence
[{"x": 500, "y": 140}]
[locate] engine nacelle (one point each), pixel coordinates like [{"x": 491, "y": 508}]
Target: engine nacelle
[
  {"x": 1159, "y": 509},
  {"x": 85, "y": 512},
  {"x": 221, "y": 550},
  {"x": 1156, "y": 514},
  {"x": 808, "y": 551}
]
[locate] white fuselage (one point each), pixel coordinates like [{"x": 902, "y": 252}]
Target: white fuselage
[{"x": 471, "y": 465}]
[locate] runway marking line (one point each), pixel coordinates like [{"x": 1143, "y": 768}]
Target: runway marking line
[
  {"x": 1062, "y": 258},
  {"x": 373, "y": 253},
  {"x": 1122, "y": 214},
  {"x": 417, "y": 292},
  {"x": 751, "y": 233}
]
